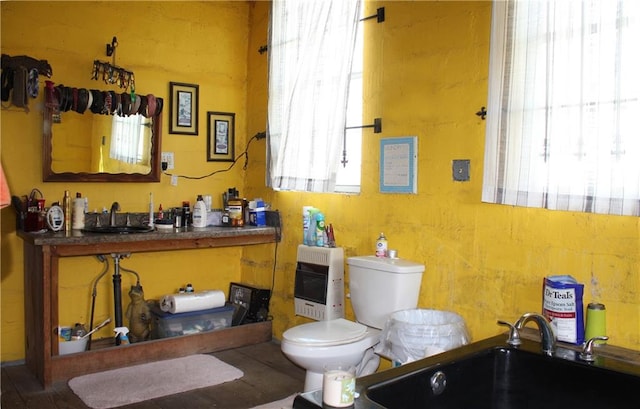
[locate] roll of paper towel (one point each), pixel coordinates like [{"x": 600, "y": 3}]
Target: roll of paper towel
[{"x": 202, "y": 300}]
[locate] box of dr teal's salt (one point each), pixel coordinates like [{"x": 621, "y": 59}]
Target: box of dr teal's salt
[{"x": 562, "y": 305}]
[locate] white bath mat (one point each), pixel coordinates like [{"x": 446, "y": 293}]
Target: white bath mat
[{"x": 123, "y": 386}]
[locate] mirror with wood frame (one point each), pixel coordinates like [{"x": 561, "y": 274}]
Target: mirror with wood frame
[{"x": 100, "y": 148}]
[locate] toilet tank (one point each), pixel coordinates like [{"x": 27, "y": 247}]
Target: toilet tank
[{"x": 380, "y": 286}]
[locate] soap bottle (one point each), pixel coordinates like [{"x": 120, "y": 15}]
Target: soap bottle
[
  {"x": 200, "y": 213},
  {"x": 381, "y": 246}
]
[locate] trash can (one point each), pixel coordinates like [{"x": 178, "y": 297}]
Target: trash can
[{"x": 417, "y": 333}]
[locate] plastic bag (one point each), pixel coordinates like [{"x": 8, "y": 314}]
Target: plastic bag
[{"x": 413, "y": 334}]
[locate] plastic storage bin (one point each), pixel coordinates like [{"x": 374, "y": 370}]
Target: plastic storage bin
[
  {"x": 417, "y": 333},
  {"x": 73, "y": 346},
  {"x": 165, "y": 324}
]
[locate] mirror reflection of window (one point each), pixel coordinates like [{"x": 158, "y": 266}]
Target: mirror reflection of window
[
  {"x": 128, "y": 147},
  {"x": 127, "y": 141}
]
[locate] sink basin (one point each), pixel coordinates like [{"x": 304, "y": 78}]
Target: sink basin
[
  {"x": 489, "y": 374},
  {"x": 118, "y": 229},
  {"x": 508, "y": 378}
]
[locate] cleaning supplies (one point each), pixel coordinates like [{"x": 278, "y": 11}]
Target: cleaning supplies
[
  {"x": 121, "y": 335},
  {"x": 320, "y": 229},
  {"x": 306, "y": 221},
  {"x": 312, "y": 231}
]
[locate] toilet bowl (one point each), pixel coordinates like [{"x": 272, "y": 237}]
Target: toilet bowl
[
  {"x": 313, "y": 345},
  {"x": 378, "y": 287}
]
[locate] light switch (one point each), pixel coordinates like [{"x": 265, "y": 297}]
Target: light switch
[{"x": 461, "y": 170}]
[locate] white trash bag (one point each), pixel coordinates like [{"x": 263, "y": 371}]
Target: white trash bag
[{"x": 413, "y": 334}]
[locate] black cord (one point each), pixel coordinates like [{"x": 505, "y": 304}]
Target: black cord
[
  {"x": 273, "y": 272},
  {"x": 258, "y": 136}
]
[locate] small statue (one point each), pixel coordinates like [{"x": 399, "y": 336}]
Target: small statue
[{"x": 139, "y": 315}]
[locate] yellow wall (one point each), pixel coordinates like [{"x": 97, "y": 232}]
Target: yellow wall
[
  {"x": 202, "y": 43},
  {"x": 426, "y": 75}
]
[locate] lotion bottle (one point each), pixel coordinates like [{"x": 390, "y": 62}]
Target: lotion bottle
[{"x": 200, "y": 213}]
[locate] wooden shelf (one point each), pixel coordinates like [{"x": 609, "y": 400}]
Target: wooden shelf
[
  {"x": 68, "y": 366},
  {"x": 42, "y": 253}
]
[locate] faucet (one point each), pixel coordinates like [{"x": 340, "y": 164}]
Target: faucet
[
  {"x": 115, "y": 206},
  {"x": 547, "y": 335}
]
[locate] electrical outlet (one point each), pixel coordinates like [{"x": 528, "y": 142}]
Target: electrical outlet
[{"x": 167, "y": 157}]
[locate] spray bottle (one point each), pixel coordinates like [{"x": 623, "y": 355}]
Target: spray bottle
[{"x": 121, "y": 335}]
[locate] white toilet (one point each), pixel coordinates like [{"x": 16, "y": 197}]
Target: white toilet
[{"x": 378, "y": 287}]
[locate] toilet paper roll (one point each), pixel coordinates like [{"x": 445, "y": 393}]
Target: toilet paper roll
[{"x": 202, "y": 300}]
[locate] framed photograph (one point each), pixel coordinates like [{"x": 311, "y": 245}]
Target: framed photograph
[
  {"x": 183, "y": 108},
  {"x": 221, "y": 136}
]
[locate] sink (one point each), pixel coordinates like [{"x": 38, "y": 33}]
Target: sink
[
  {"x": 118, "y": 229},
  {"x": 508, "y": 378},
  {"x": 490, "y": 374}
]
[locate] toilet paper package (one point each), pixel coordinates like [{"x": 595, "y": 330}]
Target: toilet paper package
[
  {"x": 202, "y": 300},
  {"x": 562, "y": 305}
]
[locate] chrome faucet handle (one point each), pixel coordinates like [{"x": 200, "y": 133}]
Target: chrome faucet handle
[
  {"x": 587, "y": 351},
  {"x": 514, "y": 333}
]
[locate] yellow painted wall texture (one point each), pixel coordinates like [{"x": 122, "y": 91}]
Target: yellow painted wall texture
[
  {"x": 202, "y": 43},
  {"x": 426, "y": 75}
]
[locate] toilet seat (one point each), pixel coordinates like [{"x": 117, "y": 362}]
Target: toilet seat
[{"x": 326, "y": 333}]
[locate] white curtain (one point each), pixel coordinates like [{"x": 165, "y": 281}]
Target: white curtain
[
  {"x": 564, "y": 106},
  {"x": 310, "y": 55},
  {"x": 127, "y": 138}
]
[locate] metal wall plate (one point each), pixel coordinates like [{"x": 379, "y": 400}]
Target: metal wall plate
[{"x": 461, "y": 170}]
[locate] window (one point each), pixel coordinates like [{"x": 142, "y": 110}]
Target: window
[
  {"x": 564, "y": 98},
  {"x": 310, "y": 60}
]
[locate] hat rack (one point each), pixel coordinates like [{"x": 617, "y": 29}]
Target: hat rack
[{"x": 111, "y": 73}]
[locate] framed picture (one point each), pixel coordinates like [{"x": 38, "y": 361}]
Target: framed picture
[
  {"x": 221, "y": 136},
  {"x": 183, "y": 108}
]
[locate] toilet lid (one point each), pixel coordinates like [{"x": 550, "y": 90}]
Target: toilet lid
[{"x": 325, "y": 333}]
